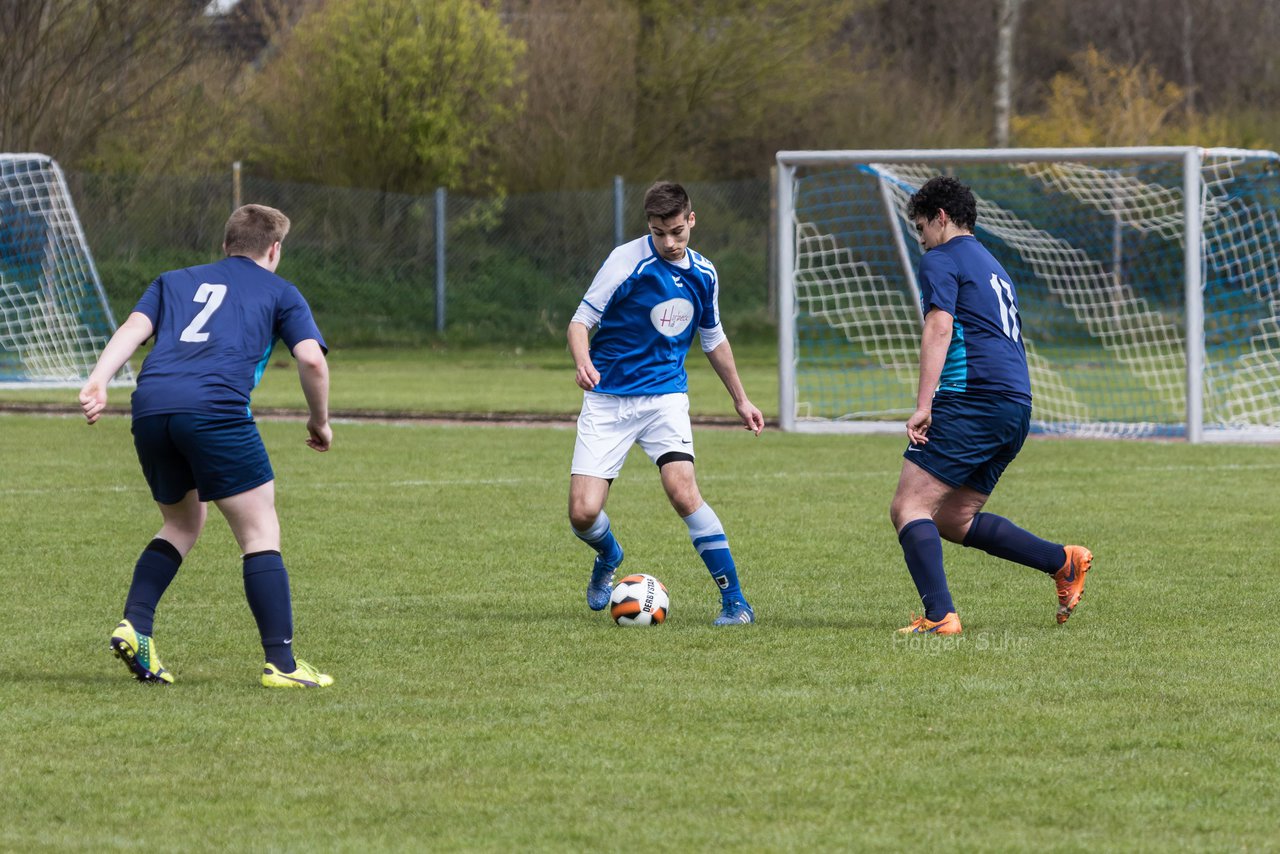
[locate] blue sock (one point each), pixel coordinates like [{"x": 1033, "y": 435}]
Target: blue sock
[
  {"x": 266, "y": 586},
  {"x": 708, "y": 538},
  {"x": 600, "y": 537},
  {"x": 997, "y": 536},
  {"x": 922, "y": 548},
  {"x": 152, "y": 574}
]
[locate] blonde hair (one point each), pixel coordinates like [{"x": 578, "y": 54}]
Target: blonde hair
[{"x": 253, "y": 229}]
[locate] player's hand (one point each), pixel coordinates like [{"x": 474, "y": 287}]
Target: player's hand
[
  {"x": 93, "y": 399},
  {"x": 918, "y": 426},
  {"x": 752, "y": 417},
  {"x": 321, "y": 436},
  {"x": 587, "y": 376}
]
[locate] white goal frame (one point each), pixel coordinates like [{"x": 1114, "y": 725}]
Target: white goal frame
[
  {"x": 1192, "y": 161},
  {"x": 54, "y": 314}
]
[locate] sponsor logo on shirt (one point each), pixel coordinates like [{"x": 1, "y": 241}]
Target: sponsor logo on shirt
[{"x": 672, "y": 317}]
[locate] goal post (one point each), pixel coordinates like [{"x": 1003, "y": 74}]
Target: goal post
[
  {"x": 1149, "y": 278},
  {"x": 54, "y": 316}
]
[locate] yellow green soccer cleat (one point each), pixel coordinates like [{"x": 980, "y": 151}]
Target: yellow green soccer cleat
[
  {"x": 303, "y": 676},
  {"x": 138, "y": 652}
]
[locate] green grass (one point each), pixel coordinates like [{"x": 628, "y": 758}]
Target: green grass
[
  {"x": 481, "y": 706},
  {"x": 451, "y": 380}
]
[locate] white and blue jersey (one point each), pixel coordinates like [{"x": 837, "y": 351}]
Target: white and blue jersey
[
  {"x": 215, "y": 326},
  {"x": 648, "y": 309},
  {"x": 987, "y": 354}
]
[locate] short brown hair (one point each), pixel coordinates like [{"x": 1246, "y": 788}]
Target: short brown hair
[
  {"x": 253, "y": 229},
  {"x": 666, "y": 199}
]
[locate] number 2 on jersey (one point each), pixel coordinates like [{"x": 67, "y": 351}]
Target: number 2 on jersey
[
  {"x": 211, "y": 296},
  {"x": 1008, "y": 309}
]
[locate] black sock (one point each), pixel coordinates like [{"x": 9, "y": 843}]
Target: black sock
[
  {"x": 997, "y": 536},
  {"x": 152, "y": 575},
  {"x": 266, "y": 586}
]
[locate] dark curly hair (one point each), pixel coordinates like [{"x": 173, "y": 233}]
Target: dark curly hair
[{"x": 944, "y": 193}]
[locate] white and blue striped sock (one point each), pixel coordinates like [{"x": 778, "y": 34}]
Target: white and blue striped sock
[
  {"x": 709, "y": 539},
  {"x": 600, "y": 537}
]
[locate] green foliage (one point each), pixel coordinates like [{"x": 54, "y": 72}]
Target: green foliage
[
  {"x": 651, "y": 88},
  {"x": 479, "y": 706},
  {"x": 1105, "y": 103},
  {"x": 728, "y": 74},
  {"x": 398, "y": 95},
  {"x": 81, "y": 79}
]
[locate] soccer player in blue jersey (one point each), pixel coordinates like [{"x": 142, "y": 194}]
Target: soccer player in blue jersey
[
  {"x": 973, "y": 411},
  {"x": 645, "y": 304},
  {"x": 215, "y": 326}
]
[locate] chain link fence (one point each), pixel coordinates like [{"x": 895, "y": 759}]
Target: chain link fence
[{"x": 514, "y": 267}]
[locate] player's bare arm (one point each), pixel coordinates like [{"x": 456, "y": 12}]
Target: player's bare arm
[
  {"x": 585, "y": 374},
  {"x": 934, "y": 342},
  {"x": 721, "y": 359},
  {"x": 123, "y": 344},
  {"x": 313, "y": 374}
]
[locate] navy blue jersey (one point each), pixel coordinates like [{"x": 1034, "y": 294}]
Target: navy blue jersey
[
  {"x": 649, "y": 309},
  {"x": 986, "y": 355},
  {"x": 215, "y": 326}
]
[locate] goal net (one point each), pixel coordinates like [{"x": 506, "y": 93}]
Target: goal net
[
  {"x": 54, "y": 317},
  {"x": 1148, "y": 281}
]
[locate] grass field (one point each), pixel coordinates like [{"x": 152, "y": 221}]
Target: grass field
[
  {"x": 480, "y": 706},
  {"x": 427, "y": 381}
]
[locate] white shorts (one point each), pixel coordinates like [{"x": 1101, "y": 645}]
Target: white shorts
[{"x": 609, "y": 425}]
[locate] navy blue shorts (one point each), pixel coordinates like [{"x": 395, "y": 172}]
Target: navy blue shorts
[
  {"x": 972, "y": 439},
  {"x": 218, "y": 456}
]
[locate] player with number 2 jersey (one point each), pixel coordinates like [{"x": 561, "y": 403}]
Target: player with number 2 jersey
[{"x": 215, "y": 326}]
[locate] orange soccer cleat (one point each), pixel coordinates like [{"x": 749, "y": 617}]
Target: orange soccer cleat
[
  {"x": 948, "y": 625},
  {"x": 1070, "y": 580}
]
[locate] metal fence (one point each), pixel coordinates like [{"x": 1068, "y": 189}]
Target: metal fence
[{"x": 511, "y": 269}]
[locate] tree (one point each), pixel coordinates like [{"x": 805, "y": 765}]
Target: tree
[
  {"x": 396, "y": 95},
  {"x": 698, "y": 89},
  {"x": 1104, "y": 103},
  {"x": 75, "y": 72},
  {"x": 719, "y": 83},
  {"x": 578, "y": 73},
  {"x": 1007, "y": 28}
]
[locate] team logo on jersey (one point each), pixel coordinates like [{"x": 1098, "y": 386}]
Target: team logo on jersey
[
  {"x": 672, "y": 317},
  {"x": 676, "y": 279}
]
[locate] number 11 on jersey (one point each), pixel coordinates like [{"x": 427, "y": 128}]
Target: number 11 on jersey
[{"x": 1008, "y": 309}]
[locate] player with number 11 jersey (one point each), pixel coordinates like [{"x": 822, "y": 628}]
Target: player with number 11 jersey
[
  {"x": 972, "y": 414},
  {"x": 986, "y": 355}
]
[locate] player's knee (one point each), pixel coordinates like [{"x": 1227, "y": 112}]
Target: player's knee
[
  {"x": 582, "y": 513},
  {"x": 896, "y": 513},
  {"x": 902, "y": 512},
  {"x": 686, "y": 504}
]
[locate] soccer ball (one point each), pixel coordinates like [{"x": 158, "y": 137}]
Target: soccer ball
[{"x": 639, "y": 600}]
